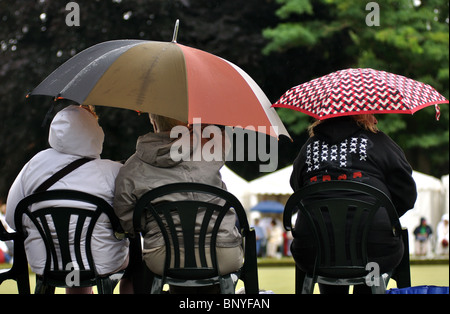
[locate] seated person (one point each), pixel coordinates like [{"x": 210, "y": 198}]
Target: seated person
[
  {"x": 352, "y": 148},
  {"x": 152, "y": 166},
  {"x": 74, "y": 133}
]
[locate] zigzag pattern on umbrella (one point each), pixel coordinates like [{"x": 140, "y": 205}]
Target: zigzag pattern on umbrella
[{"x": 359, "y": 90}]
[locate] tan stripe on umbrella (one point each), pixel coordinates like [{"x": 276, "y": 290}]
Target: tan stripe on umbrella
[{"x": 149, "y": 77}]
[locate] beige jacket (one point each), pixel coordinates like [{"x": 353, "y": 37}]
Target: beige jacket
[{"x": 152, "y": 166}]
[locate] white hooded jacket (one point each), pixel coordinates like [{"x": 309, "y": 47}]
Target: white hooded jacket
[{"x": 74, "y": 133}]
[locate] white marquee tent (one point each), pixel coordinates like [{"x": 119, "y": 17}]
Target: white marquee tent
[
  {"x": 445, "y": 183},
  {"x": 276, "y": 182},
  {"x": 237, "y": 186},
  {"x": 429, "y": 204}
]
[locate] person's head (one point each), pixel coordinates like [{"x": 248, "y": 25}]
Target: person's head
[
  {"x": 75, "y": 131},
  {"x": 366, "y": 121},
  {"x": 162, "y": 123}
]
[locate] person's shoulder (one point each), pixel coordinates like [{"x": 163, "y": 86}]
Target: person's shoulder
[
  {"x": 108, "y": 165},
  {"x": 381, "y": 138}
]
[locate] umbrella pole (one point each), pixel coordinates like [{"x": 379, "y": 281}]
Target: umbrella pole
[{"x": 175, "y": 31}]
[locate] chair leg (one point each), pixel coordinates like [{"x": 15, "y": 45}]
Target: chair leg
[
  {"x": 250, "y": 273},
  {"x": 402, "y": 274},
  {"x": 308, "y": 285},
  {"x": 226, "y": 285},
  {"x": 157, "y": 285},
  {"x": 380, "y": 288},
  {"x": 250, "y": 279},
  {"x": 42, "y": 288},
  {"x": 105, "y": 285},
  {"x": 23, "y": 283},
  {"x": 299, "y": 279},
  {"x": 251, "y": 284}
]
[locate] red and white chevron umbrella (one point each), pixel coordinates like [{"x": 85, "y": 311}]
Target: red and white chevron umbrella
[{"x": 360, "y": 91}]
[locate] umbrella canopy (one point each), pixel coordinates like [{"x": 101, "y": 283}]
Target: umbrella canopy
[
  {"x": 360, "y": 91},
  {"x": 164, "y": 78},
  {"x": 269, "y": 207}
]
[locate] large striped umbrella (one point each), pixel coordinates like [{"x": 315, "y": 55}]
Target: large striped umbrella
[
  {"x": 164, "y": 78},
  {"x": 360, "y": 91}
]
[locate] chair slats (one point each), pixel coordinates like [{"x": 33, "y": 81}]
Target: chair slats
[
  {"x": 19, "y": 269},
  {"x": 60, "y": 243},
  {"x": 200, "y": 223},
  {"x": 341, "y": 226}
]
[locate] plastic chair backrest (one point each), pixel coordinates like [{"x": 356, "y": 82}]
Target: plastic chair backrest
[
  {"x": 19, "y": 268},
  {"x": 59, "y": 243},
  {"x": 340, "y": 214},
  {"x": 193, "y": 237}
]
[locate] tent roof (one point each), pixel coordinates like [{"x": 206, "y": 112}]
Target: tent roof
[
  {"x": 426, "y": 182},
  {"x": 235, "y": 184},
  {"x": 276, "y": 182}
]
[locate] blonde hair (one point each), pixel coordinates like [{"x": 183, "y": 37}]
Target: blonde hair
[
  {"x": 365, "y": 121},
  {"x": 90, "y": 109},
  {"x": 163, "y": 124}
]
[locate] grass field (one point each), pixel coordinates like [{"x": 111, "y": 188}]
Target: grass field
[{"x": 280, "y": 279}]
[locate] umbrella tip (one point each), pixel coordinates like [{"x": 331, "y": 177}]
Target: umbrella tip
[{"x": 175, "y": 31}]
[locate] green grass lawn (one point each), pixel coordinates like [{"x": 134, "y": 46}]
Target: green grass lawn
[{"x": 280, "y": 279}]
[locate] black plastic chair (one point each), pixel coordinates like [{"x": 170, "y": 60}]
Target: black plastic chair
[
  {"x": 58, "y": 271},
  {"x": 193, "y": 274},
  {"x": 19, "y": 268},
  {"x": 341, "y": 248}
]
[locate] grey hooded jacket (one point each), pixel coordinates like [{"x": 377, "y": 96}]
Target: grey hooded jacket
[{"x": 152, "y": 166}]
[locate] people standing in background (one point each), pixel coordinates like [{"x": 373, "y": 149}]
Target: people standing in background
[
  {"x": 275, "y": 239},
  {"x": 422, "y": 234},
  {"x": 260, "y": 237},
  {"x": 442, "y": 236}
]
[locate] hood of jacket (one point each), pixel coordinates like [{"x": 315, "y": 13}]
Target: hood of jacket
[
  {"x": 335, "y": 130},
  {"x": 75, "y": 131},
  {"x": 154, "y": 149}
]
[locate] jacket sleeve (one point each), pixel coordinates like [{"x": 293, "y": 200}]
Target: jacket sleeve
[
  {"x": 124, "y": 201},
  {"x": 15, "y": 195},
  {"x": 398, "y": 178},
  {"x": 296, "y": 180}
]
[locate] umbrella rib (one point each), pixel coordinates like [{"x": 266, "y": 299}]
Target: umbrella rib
[{"x": 145, "y": 81}]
